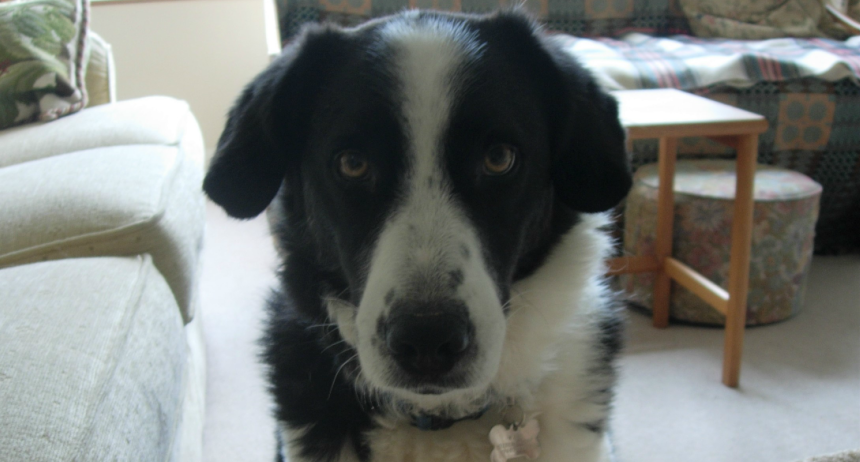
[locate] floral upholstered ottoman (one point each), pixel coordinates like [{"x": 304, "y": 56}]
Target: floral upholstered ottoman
[{"x": 785, "y": 212}]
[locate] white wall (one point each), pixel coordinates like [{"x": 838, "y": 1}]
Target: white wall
[{"x": 202, "y": 51}]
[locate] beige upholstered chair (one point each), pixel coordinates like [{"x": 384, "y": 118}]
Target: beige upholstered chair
[{"x": 101, "y": 222}]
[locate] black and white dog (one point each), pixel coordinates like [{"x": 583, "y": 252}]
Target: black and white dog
[{"x": 438, "y": 181}]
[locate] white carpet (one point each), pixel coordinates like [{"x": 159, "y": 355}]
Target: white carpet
[
  {"x": 800, "y": 380},
  {"x": 238, "y": 271},
  {"x": 799, "y": 393}
]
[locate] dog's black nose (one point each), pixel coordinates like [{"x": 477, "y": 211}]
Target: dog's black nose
[{"x": 428, "y": 344}]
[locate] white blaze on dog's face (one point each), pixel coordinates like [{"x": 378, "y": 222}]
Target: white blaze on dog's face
[
  {"x": 430, "y": 320},
  {"x": 426, "y": 162}
]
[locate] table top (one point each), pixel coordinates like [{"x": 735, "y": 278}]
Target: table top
[{"x": 674, "y": 113}]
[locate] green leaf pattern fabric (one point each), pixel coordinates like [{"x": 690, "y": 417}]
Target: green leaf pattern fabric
[{"x": 42, "y": 45}]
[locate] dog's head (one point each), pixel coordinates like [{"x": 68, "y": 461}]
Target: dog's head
[{"x": 425, "y": 162}]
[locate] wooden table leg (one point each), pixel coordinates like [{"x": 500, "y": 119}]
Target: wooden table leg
[
  {"x": 739, "y": 266},
  {"x": 665, "y": 219}
]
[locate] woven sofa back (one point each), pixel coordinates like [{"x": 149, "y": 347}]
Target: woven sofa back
[{"x": 586, "y": 18}]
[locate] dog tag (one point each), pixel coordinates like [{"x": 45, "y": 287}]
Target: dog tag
[{"x": 515, "y": 441}]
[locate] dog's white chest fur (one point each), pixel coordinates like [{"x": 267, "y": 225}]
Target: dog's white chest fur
[
  {"x": 469, "y": 442},
  {"x": 547, "y": 366},
  {"x": 466, "y": 441}
]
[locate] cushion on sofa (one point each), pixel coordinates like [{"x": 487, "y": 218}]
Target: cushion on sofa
[
  {"x": 743, "y": 19},
  {"x": 42, "y": 48},
  {"x": 150, "y": 120},
  {"x": 757, "y": 20},
  {"x": 120, "y": 200},
  {"x": 92, "y": 361}
]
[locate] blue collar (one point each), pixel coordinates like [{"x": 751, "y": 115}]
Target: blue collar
[{"x": 428, "y": 422}]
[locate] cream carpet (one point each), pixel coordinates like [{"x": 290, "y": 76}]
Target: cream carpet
[{"x": 800, "y": 381}]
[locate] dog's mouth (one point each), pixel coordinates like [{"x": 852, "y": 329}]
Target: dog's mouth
[
  {"x": 431, "y": 384},
  {"x": 431, "y": 390},
  {"x": 448, "y": 401}
]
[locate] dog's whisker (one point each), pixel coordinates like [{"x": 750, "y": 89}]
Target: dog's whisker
[
  {"x": 339, "y": 342},
  {"x": 317, "y": 326},
  {"x": 517, "y": 296},
  {"x": 334, "y": 380},
  {"x": 537, "y": 309},
  {"x": 338, "y": 297}
]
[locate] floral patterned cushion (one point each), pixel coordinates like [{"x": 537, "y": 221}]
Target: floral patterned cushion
[
  {"x": 42, "y": 47},
  {"x": 785, "y": 212},
  {"x": 756, "y": 20}
]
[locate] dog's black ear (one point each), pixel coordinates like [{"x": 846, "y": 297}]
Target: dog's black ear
[
  {"x": 591, "y": 167},
  {"x": 266, "y": 126}
]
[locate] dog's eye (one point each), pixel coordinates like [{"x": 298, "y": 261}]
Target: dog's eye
[
  {"x": 499, "y": 159},
  {"x": 353, "y": 165}
]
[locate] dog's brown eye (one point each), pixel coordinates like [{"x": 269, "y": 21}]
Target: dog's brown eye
[
  {"x": 499, "y": 159},
  {"x": 353, "y": 165}
]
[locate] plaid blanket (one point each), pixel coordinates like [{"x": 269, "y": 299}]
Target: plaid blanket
[{"x": 689, "y": 63}]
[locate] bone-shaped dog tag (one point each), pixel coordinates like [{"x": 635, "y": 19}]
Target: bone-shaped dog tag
[{"x": 515, "y": 441}]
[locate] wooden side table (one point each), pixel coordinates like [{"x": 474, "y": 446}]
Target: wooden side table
[{"x": 668, "y": 115}]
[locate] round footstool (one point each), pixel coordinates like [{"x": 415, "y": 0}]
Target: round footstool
[{"x": 785, "y": 212}]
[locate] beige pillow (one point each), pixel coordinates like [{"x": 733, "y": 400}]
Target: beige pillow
[
  {"x": 757, "y": 19},
  {"x": 100, "y": 78}
]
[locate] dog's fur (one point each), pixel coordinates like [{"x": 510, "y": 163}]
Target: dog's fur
[{"x": 428, "y": 241}]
